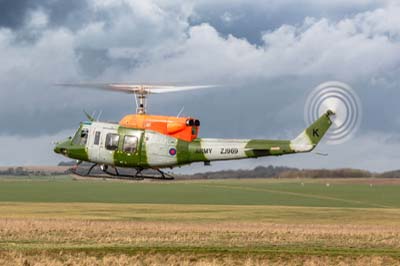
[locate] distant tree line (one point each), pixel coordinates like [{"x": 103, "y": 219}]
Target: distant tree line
[
  {"x": 20, "y": 171},
  {"x": 325, "y": 173},
  {"x": 286, "y": 172},
  {"x": 258, "y": 172},
  {"x": 391, "y": 174}
]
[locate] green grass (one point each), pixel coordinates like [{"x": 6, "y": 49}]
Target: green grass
[
  {"x": 225, "y": 192},
  {"x": 233, "y": 220},
  {"x": 186, "y": 213}
]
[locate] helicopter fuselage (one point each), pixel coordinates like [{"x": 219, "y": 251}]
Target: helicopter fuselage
[{"x": 114, "y": 145}]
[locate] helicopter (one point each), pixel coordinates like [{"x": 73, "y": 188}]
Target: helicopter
[{"x": 143, "y": 141}]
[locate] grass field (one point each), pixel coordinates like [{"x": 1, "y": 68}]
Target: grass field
[{"x": 58, "y": 221}]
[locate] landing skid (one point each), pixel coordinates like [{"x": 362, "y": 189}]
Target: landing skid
[{"x": 116, "y": 175}]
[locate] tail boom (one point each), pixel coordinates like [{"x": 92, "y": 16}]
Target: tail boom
[{"x": 224, "y": 149}]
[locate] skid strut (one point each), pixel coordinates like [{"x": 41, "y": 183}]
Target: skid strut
[
  {"x": 138, "y": 175},
  {"x": 91, "y": 168}
]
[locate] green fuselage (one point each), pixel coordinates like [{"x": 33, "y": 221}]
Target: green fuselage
[{"x": 111, "y": 144}]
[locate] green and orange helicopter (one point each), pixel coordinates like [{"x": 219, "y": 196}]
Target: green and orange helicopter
[{"x": 142, "y": 141}]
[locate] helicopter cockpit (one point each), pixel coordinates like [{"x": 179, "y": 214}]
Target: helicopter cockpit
[{"x": 81, "y": 136}]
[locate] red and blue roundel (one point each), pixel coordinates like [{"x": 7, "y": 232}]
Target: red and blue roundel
[{"x": 172, "y": 151}]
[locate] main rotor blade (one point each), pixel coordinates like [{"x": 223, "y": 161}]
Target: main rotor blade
[
  {"x": 136, "y": 88},
  {"x": 166, "y": 89}
]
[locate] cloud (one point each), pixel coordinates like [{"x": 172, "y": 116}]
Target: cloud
[
  {"x": 251, "y": 18},
  {"x": 59, "y": 54},
  {"x": 362, "y": 44},
  {"x": 14, "y": 14},
  {"x": 269, "y": 55}
]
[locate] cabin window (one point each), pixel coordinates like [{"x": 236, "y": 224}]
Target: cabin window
[
  {"x": 97, "y": 138},
  {"x": 112, "y": 141},
  {"x": 130, "y": 144}
]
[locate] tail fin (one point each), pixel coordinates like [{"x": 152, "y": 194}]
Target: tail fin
[{"x": 311, "y": 136}]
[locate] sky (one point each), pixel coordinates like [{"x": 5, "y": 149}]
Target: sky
[{"x": 268, "y": 56}]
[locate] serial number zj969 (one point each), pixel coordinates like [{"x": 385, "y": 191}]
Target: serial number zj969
[{"x": 229, "y": 150}]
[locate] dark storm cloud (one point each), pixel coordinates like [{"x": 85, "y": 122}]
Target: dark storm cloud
[
  {"x": 93, "y": 62},
  {"x": 70, "y": 14},
  {"x": 12, "y": 13}
]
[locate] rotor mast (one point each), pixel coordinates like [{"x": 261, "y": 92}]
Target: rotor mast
[{"x": 141, "y": 99}]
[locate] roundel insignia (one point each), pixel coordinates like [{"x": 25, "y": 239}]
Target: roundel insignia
[{"x": 172, "y": 151}]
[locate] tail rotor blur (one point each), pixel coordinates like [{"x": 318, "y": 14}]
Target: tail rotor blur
[{"x": 343, "y": 101}]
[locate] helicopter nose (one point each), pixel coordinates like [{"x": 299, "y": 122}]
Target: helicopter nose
[
  {"x": 60, "y": 150},
  {"x": 57, "y": 149}
]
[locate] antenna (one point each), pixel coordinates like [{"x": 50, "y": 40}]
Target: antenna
[
  {"x": 321, "y": 154},
  {"x": 100, "y": 113},
  {"x": 90, "y": 117},
  {"x": 180, "y": 112}
]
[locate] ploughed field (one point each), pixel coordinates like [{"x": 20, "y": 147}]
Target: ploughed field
[{"x": 61, "y": 221}]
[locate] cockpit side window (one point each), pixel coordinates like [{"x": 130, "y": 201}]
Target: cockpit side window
[
  {"x": 84, "y": 136},
  {"x": 77, "y": 138},
  {"x": 81, "y": 137}
]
